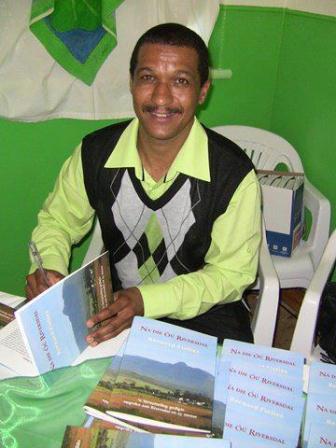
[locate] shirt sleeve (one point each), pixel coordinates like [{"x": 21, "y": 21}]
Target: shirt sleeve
[
  {"x": 66, "y": 216},
  {"x": 230, "y": 263}
]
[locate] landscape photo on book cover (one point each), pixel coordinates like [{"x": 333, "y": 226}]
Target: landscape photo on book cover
[
  {"x": 176, "y": 390},
  {"x": 99, "y": 438},
  {"x": 76, "y": 437},
  {"x": 53, "y": 325}
]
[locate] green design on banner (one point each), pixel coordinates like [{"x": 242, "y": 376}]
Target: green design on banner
[{"x": 79, "y": 34}]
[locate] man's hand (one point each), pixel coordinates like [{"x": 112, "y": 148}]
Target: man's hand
[
  {"x": 35, "y": 283},
  {"x": 117, "y": 316}
]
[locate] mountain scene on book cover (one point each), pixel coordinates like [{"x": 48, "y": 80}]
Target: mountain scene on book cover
[
  {"x": 76, "y": 437},
  {"x": 55, "y": 322},
  {"x": 165, "y": 375}
]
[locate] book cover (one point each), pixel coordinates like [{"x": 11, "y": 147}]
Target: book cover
[
  {"x": 220, "y": 395},
  {"x": 321, "y": 401},
  {"x": 53, "y": 325},
  {"x": 264, "y": 379},
  {"x": 99, "y": 398},
  {"x": 75, "y": 437},
  {"x": 273, "y": 359},
  {"x": 320, "y": 409},
  {"x": 321, "y": 436},
  {"x": 322, "y": 378},
  {"x": 165, "y": 380},
  {"x": 280, "y": 409},
  {"x": 253, "y": 430}
]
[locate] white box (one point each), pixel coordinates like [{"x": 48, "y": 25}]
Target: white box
[{"x": 282, "y": 194}]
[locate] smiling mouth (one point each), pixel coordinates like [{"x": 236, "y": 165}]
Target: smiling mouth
[{"x": 161, "y": 113}]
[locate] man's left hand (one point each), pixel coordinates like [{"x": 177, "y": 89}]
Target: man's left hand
[{"x": 117, "y": 316}]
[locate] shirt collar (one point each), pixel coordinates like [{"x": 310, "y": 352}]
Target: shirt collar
[{"x": 192, "y": 159}]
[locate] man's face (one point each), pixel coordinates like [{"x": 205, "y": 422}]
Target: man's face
[{"x": 166, "y": 91}]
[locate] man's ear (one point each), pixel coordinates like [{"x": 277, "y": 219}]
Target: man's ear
[
  {"x": 204, "y": 91},
  {"x": 130, "y": 83}
]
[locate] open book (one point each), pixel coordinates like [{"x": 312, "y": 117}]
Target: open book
[{"x": 50, "y": 331}]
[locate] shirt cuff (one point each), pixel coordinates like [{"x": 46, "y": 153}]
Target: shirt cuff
[
  {"x": 53, "y": 263},
  {"x": 158, "y": 300}
]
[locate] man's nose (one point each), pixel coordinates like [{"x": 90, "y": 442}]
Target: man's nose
[{"x": 162, "y": 94}]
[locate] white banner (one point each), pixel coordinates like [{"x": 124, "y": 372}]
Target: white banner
[{"x": 34, "y": 87}]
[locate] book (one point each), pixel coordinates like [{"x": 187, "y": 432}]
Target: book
[
  {"x": 165, "y": 380},
  {"x": 75, "y": 437},
  {"x": 321, "y": 405},
  {"x": 261, "y": 395},
  {"x": 8, "y": 305},
  {"x": 321, "y": 436},
  {"x": 276, "y": 360},
  {"x": 50, "y": 331}
]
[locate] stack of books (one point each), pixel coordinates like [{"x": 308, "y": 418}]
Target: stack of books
[
  {"x": 171, "y": 382},
  {"x": 320, "y": 415},
  {"x": 260, "y": 389}
]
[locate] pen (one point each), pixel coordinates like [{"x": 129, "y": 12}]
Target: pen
[{"x": 38, "y": 261}]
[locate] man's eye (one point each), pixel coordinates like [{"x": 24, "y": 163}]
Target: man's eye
[
  {"x": 147, "y": 78},
  {"x": 182, "y": 81}
]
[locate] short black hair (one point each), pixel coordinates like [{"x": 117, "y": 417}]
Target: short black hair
[{"x": 177, "y": 35}]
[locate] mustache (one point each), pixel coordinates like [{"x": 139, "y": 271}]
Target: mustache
[{"x": 169, "y": 110}]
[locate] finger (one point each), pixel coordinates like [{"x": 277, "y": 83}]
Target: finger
[
  {"x": 54, "y": 277},
  {"x": 111, "y": 330},
  {"x": 108, "y": 312},
  {"x": 111, "y": 326},
  {"x": 29, "y": 292}
]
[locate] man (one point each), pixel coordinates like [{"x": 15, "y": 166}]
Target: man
[{"x": 179, "y": 205}]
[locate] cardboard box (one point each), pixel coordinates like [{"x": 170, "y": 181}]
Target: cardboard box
[{"x": 282, "y": 194}]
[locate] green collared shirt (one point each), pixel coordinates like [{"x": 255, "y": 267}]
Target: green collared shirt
[{"x": 230, "y": 263}]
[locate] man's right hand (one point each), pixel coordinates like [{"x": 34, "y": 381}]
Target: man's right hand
[{"x": 35, "y": 282}]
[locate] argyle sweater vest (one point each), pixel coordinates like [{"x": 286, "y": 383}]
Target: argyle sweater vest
[{"x": 151, "y": 241}]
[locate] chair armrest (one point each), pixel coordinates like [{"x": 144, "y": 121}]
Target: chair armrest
[
  {"x": 304, "y": 332},
  {"x": 265, "y": 315},
  {"x": 319, "y": 206}
]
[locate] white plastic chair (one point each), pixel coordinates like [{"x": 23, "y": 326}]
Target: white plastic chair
[
  {"x": 265, "y": 314},
  {"x": 267, "y": 150},
  {"x": 303, "y": 340}
]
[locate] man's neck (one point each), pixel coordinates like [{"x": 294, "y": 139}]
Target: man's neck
[{"x": 157, "y": 156}]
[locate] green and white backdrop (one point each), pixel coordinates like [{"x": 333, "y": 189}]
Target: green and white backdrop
[{"x": 282, "y": 55}]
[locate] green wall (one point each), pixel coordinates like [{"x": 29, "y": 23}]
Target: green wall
[{"x": 284, "y": 71}]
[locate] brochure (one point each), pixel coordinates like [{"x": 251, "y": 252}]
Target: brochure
[
  {"x": 49, "y": 331},
  {"x": 165, "y": 381}
]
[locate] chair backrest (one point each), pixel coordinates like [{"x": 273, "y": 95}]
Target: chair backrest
[
  {"x": 304, "y": 333},
  {"x": 265, "y": 149}
]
